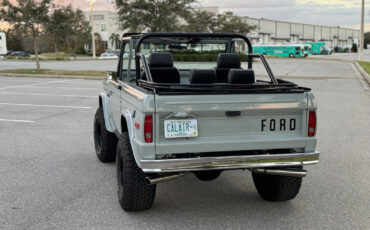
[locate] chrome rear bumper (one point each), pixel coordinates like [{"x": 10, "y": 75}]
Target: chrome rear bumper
[{"x": 230, "y": 162}]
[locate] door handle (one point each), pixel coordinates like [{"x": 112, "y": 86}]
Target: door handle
[{"x": 233, "y": 113}]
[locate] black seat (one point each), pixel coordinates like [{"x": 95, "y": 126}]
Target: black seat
[
  {"x": 241, "y": 76},
  {"x": 161, "y": 68},
  {"x": 202, "y": 76},
  {"x": 225, "y": 62}
]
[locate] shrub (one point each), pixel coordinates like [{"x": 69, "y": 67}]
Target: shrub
[
  {"x": 354, "y": 48},
  {"x": 188, "y": 56}
]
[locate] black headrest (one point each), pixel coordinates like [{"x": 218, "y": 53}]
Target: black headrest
[
  {"x": 241, "y": 76},
  {"x": 202, "y": 76},
  {"x": 162, "y": 59},
  {"x": 228, "y": 60}
]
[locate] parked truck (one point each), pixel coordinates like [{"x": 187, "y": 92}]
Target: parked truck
[
  {"x": 316, "y": 47},
  {"x": 161, "y": 120}
]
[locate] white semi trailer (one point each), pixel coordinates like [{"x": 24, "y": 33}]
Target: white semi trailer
[{"x": 3, "y": 49}]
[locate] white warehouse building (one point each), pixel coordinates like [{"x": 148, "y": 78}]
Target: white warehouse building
[
  {"x": 266, "y": 32},
  {"x": 271, "y": 31}
]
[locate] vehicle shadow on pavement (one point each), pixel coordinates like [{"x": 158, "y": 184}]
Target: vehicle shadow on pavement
[{"x": 233, "y": 192}]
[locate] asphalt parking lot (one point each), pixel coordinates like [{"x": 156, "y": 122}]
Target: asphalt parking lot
[{"x": 50, "y": 177}]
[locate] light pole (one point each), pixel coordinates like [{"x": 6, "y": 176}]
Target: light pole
[
  {"x": 92, "y": 28},
  {"x": 361, "y": 45}
]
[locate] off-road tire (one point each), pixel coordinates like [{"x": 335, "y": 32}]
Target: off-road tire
[
  {"x": 105, "y": 141},
  {"x": 276, "y": 188},
  {"x": 134, "y": 194},
  {"x": 207, "y": 175}
]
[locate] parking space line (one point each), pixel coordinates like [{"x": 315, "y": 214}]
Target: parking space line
[
  {"x": 21, "y": 121},
  {"x": 43, "y": 83},
  {"x": 84, "y": 83},
  {"x": 69, "y": 88},
  {"x": 50, "y": 106},
  {"x": 45, "y": 94}
]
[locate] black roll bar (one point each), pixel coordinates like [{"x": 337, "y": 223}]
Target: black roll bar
[{"x": 213, "y": 35}]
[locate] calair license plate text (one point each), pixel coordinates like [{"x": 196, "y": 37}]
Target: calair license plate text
[{"x": 180, "y": 128}]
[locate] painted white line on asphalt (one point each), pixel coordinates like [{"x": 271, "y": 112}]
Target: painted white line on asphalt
[
  {"x": 22, "y": 121},
  {"x": 50, "y": 106},
  {"x": 43, "y": 83},
  {"x": 86, "y": 83},
  {"x": 45, "y": 94},
  {"x": 69, "y": 88}
]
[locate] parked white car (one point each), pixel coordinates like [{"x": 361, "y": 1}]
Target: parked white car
[{"x": 108, "y": 56}]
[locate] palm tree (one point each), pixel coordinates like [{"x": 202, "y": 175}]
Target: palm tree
[{"x": 114, "y": 40}]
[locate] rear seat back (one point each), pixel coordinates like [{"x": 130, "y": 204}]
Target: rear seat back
[
  {"x": 225, "y": 62},
  {"x": 161, "y": 68},
  {"x": 241, "y": 76},
  {"x": 202, "y": 76}
]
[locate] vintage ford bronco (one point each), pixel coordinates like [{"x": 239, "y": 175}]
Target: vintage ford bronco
[{"x": 205, "y": 113}]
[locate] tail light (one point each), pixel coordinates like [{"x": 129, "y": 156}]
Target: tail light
[
  {"x": 311, "y": 123},
  {"x": 148, "y": 128}
]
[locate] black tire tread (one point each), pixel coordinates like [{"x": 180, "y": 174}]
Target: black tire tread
[
  {"x": 276, "y": 188},
  {"x": 136, "y": 194},
  {"x": 109, "y": 140}
]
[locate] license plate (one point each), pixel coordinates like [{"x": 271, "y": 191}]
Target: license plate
[{"x": 180, "y": 128}]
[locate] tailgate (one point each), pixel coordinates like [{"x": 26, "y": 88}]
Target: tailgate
[{"x": 229, "y": 122}]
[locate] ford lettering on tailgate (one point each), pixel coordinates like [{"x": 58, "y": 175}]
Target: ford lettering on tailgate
[{"x": 279, "y": 124}]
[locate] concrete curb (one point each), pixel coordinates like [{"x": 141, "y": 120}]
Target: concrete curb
[
  {"x": 52, "y": 76},
  {"x": 329, "y": 59},
  {"x": 364, "y": 74}
]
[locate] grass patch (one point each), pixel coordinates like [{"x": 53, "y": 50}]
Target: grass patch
[
  {"x": 44, "y": 58},
  {"x": 365, "y": 65},
  {"x": 56, "y": 72}
]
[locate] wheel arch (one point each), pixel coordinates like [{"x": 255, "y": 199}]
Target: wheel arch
[
  {"x": 104, "y": 103},
  {"x": 128, "y": 126}
]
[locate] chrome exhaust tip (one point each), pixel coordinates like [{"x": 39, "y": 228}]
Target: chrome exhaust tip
[
  {"x": 162, "y": 178},
  {"x": 283, "y": 172}
]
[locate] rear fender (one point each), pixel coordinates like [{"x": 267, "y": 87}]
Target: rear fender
[
  {"x": 128, "y": 126},
  {"x": 103, "y": 102}
]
